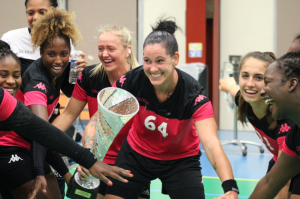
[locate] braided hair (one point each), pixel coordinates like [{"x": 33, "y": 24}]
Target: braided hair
[
  {"x": 163, "y": 33},
  {"x": 6, "y": 52},
  {"x": 289, "y": 64}
]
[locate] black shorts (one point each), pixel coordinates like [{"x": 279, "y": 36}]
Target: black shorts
[
  {"x": 16, "y": 167},
  {"x": 295, "y": 181},
  {"x": 180, "y": 174},
  {"x": 144, "y": 194}
]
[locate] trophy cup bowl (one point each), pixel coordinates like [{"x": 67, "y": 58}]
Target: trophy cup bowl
[{"x": 116, "y": 107}]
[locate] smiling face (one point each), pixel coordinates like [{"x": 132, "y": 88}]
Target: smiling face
[
  {"x": 251, "y": 79},
  {"x": 111, "y": 52},
  {"x": 55, "y": 57},
  {"x": 10, "y": 75},
  {"x": 276, "y": 92},
  {"x": 159, "y": 67},
  {"x": 36, "y": 9}
]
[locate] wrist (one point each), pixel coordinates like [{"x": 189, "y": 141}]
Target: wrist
[{"x": 230, "y": 185}]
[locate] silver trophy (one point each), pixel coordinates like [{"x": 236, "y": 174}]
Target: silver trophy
[{"x": 115, "y": 108}]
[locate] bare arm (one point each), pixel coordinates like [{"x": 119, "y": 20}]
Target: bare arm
[
  {"x": 207, "y": 132},
  {"x": 89, "y": 132},
  {"x": 285, "y": 168},
  {"x": 72, "y": 111},
  {"x": 283, "y": 193},
  {"x": 228, "y": 84}
]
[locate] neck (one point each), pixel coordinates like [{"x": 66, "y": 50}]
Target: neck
[
  {"x": 169, "y": 85},
  {"x": 114, "y": 75},
  {"x": 259, "y": 108}
]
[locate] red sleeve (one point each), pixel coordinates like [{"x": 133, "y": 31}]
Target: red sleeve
[
  {"x": 35, "y": 98},
  {"x": 288, "y": 151},
  {"x": 79, "y": 93},
  {"x": 280, "y": 142},
  {"x": 7, "y": 105},
  {"x": 203, "y": 112}
]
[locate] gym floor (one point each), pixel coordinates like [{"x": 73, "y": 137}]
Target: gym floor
[{"x": 247, "y": 169}]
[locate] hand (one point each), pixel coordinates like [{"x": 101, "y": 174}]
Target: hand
[
  {"x": 100, "y": 170},
  {"x": 229, "y": 195},
  {"x": 81, "y": 63},
  {"x": 39, "y": 182},
  {"x": 83, "y": 172},
  {"x": 226, "y": 83}
]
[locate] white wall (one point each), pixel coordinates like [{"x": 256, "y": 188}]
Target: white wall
[
  {"x": 244, "y": 26},
  {"x": 152, "y": 10}
]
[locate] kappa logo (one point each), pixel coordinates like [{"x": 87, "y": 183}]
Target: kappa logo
[
  {"x": 80, "y": 77},
  {"x": 199, "y": 98},
  {"x": 284, "y": 128},
  {"x": 41, "y": 86},
  {"x": 14, "y": 158},
  {"x": 122, "y": 80}
]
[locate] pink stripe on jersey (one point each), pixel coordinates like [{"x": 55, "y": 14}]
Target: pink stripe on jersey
[
  {"x": 35, "y": 98},
  {"x": 12, "y": 139},
  {"x": 92, "y": 104},
  {"x": 79, "y": 93},
  {"x": 288, "y": 151},
  {"x": 203, "y": 112},
  {"x": 280, "y": 142},
  {"x": 7, "y": 105}
]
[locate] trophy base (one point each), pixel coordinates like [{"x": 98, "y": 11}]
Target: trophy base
[{"x": 75, "y": 191}]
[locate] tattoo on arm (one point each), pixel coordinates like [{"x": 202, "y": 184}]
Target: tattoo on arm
[
  {"x": 89, "y": 133},
  {"x": 215, "y": 166}
]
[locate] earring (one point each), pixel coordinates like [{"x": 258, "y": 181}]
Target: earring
[
  {"x": 173, "y": 60},
  {"x": 129, "y": 50}
]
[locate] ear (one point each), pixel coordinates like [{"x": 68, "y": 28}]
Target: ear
[
  {"x": 175, "y": 58},
  {"x": 128, "y": 51},
  {"x": 293, "y": 84}
]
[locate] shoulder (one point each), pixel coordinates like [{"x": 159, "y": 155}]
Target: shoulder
[{"x": 16, "y": 33}]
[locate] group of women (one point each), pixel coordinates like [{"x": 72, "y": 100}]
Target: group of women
[{"x": 161, "y": 141}]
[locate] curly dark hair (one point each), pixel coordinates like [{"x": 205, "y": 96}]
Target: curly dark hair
[
  {"x": 289, "y": 64},
  {"x": 56, "y": 23},
  {"x": 6, "y": 52},
  {"x": 52, "y": 2}
]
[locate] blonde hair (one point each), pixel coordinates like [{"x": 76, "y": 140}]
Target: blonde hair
[
  {"x": 125, "y": 37},
  {"x": 55, "y": 23}
]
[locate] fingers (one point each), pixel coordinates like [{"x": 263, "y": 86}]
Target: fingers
[
  {"x": 83, "y": 173},
  {"x": 81, "y": 64}
]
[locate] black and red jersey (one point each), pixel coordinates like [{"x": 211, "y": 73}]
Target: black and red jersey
[
  {"x": 37, "y": 89},
  {"x": 88, "y": 86},
  {"x": 291, "y": 145},
  {"x": 166, "y": 131},
  {"x": 273, "y": 139}
]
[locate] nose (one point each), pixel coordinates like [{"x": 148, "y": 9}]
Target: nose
[
  {"x": 262, "y": 92},
  {"x": 153, "y": 68},
  {"x": 36, "y": 16},
  {"x": 250, "y": 82},
  {"x": 10, "y": 80},
  {"x": 105, "y": 53},
  {"x": 58, "y": 60}
]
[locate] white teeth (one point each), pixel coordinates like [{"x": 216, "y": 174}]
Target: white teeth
[
  {"x": 269, "y": 101},
  {"x": 249, "y": 91},
  {"x": 107, "y": 61},
  {"x": 10, "y": 89},
  {"x": 57, "y": 68},
  {"x": 156, "y": 75}
]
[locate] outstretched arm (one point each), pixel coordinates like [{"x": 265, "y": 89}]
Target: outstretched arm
[
  {"x": 228, "y": 84},
  {"x": 207, "y": 132},
  {"x": 283, "y": 170}
]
